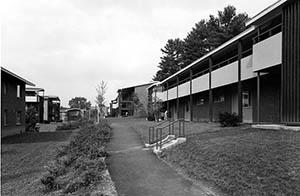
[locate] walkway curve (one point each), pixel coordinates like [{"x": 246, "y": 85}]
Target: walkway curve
[{"x": 137, "y": 171}]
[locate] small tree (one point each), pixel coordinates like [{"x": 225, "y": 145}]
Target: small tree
[
  {"x": 100, "y": 98},
  {"x": 155, "y": 109},
  {"x": 80, "y": 102},
  {"x": 138, "y": 107},
  {"x": 31, "y": 118}
]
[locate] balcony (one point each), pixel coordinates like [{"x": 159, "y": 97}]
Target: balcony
[
  {"x": 268, "y": 52},
  {"x": 225, "y": 75},
  {"x": 31, "y": 99}
]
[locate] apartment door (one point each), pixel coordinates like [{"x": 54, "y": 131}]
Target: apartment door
[{"x": 247, "y": 107}]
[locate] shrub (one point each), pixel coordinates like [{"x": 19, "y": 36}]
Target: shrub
[
  {"x": 229, "y": 119},
  {"x": 31, "y": 119},
  {"x": 80, "y": 164},
  {"x": 68, "y": 126}
]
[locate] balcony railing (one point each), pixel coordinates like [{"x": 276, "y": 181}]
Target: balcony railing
[{"x": 268, "y": 33}]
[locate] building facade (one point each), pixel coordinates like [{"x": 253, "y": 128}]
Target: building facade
[
  {"x": 12, "y": 103},
  {"x": 51, "y": 107},
  {"x": 131, "y": 101},
  {"x": 34, "y": 97},
  {"x": 255, "y": 74}
]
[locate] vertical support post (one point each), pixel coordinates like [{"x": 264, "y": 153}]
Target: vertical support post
[
  {"x": 210, "y": 91},
  {"x": 120, "y": 103},
  {"x": 169, "y": 129},
  {"x": 150, "y": 128},
  {"x": 191, "y": 95},
  {"x": 258, "y": 97},
  {"x": 183, "y": 125},
  {"x": 179, "y": 131},
  {"x": 153, "y": 140},
  {"x": 168, "y": 104},
  {"x": 240, "y": 99},
  {"x": 160, "y": 138},
  {"x": 177, "y": 99},
  {"x": 156, "y": 130},
  {"x": 173, "y": 129}
]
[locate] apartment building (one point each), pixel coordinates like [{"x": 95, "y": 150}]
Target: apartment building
[
  {"x": 126, "y": 102},
  {"x": 12, "y": 103},
  {"x": 255, "y": 74}
]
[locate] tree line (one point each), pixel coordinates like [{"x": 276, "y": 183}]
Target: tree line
[{"x": 205, "y": 36}]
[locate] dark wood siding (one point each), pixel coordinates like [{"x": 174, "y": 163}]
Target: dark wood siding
[{"x": 290, "y": 110}]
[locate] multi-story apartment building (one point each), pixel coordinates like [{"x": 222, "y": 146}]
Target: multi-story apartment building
[
  {"x": 125, "y": 103},
  {"x": 12, "y": 103},
  {"x": 51, "y": 107},
  {"x": 34, "y": 97},
  {"x": 255, "y": 74}
]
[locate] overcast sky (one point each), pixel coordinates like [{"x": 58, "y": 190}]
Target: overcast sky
[{"x": 68, "y": 46}]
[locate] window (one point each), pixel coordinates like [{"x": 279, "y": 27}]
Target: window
[
  {"x": 200, "y": 101},
  {"x": 5, "y": 118},
  {"x": 4, "y": 88},
  {"x": 246, "y": 99},
  {"x": 18, "y": 120},
  {"x": 18, "y": 91},
  {"x": 219, "y": 98}
]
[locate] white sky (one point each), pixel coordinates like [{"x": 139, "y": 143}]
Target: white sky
[{"x": 68, "y": 46}]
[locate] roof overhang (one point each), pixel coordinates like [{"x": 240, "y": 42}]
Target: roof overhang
[
  {"x": 16, "y": 76},
  {"x": 35, "y": 89},
  {"x": 224, "y": 45},
  {"x": 136, "y": 86},
  {"x": 265, "y": 11}
]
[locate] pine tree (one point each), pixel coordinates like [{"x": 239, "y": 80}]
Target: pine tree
[
  {"x": 171, "y": 61},
  {"x": 205, "y": 36}
]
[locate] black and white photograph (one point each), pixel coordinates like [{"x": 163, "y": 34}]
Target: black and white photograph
[{"x": 150, "y": 97}]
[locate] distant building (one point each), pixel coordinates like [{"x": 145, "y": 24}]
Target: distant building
[
  {"x": 12, "y": 102},
  {"x": 74, "y": 114},
  {"x": 63, "y": 114},
  {"x": 51, "y": 109},
  {"x": 34, "y": 97},
  {"x": 126, "y": 102}
]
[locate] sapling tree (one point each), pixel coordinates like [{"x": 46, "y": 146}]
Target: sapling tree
[{"x": 100, "y": 98}]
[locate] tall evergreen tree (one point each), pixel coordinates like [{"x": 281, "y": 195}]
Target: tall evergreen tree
[
  {"x": 171, "y": 61},
  {"x": 205, "y": 36}
]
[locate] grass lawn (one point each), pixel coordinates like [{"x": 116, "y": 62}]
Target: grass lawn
[
  {"x": 242, "y": 161},
  {"x": 23, "y": 158}
]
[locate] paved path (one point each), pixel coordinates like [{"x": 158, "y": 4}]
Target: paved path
[{"x": 137, "y": 171}]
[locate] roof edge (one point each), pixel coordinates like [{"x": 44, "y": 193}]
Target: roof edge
[
  {"x": 17, "y": 76},
  {"x": 266, "y": 11}
]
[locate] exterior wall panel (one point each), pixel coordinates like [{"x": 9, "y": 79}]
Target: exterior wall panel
[
  {"x": 290, "y": 73},
  {"x": 225, "y": 75},
  {"x": 172, "y": 93},
  {"x": 162, "y": 95},
  {"x": 267, "y": 53},
  {"x": 184, "y": 89},
  {"x": 11, "y": 104},
  {"x": 247, "y": 68},
  {"x": 200, "y": 84}
]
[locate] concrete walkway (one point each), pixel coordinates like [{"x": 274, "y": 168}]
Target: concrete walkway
[{"x": 137, "y": 171}]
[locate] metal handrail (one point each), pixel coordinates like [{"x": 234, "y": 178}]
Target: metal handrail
[
  {"x": 152, "y": 128},
  {"x": 156, "y": 133}
]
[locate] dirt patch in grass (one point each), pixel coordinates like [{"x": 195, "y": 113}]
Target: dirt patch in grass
[
  {"x": 23, "y": 158},
  {"x": 242, "y": 161}
]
